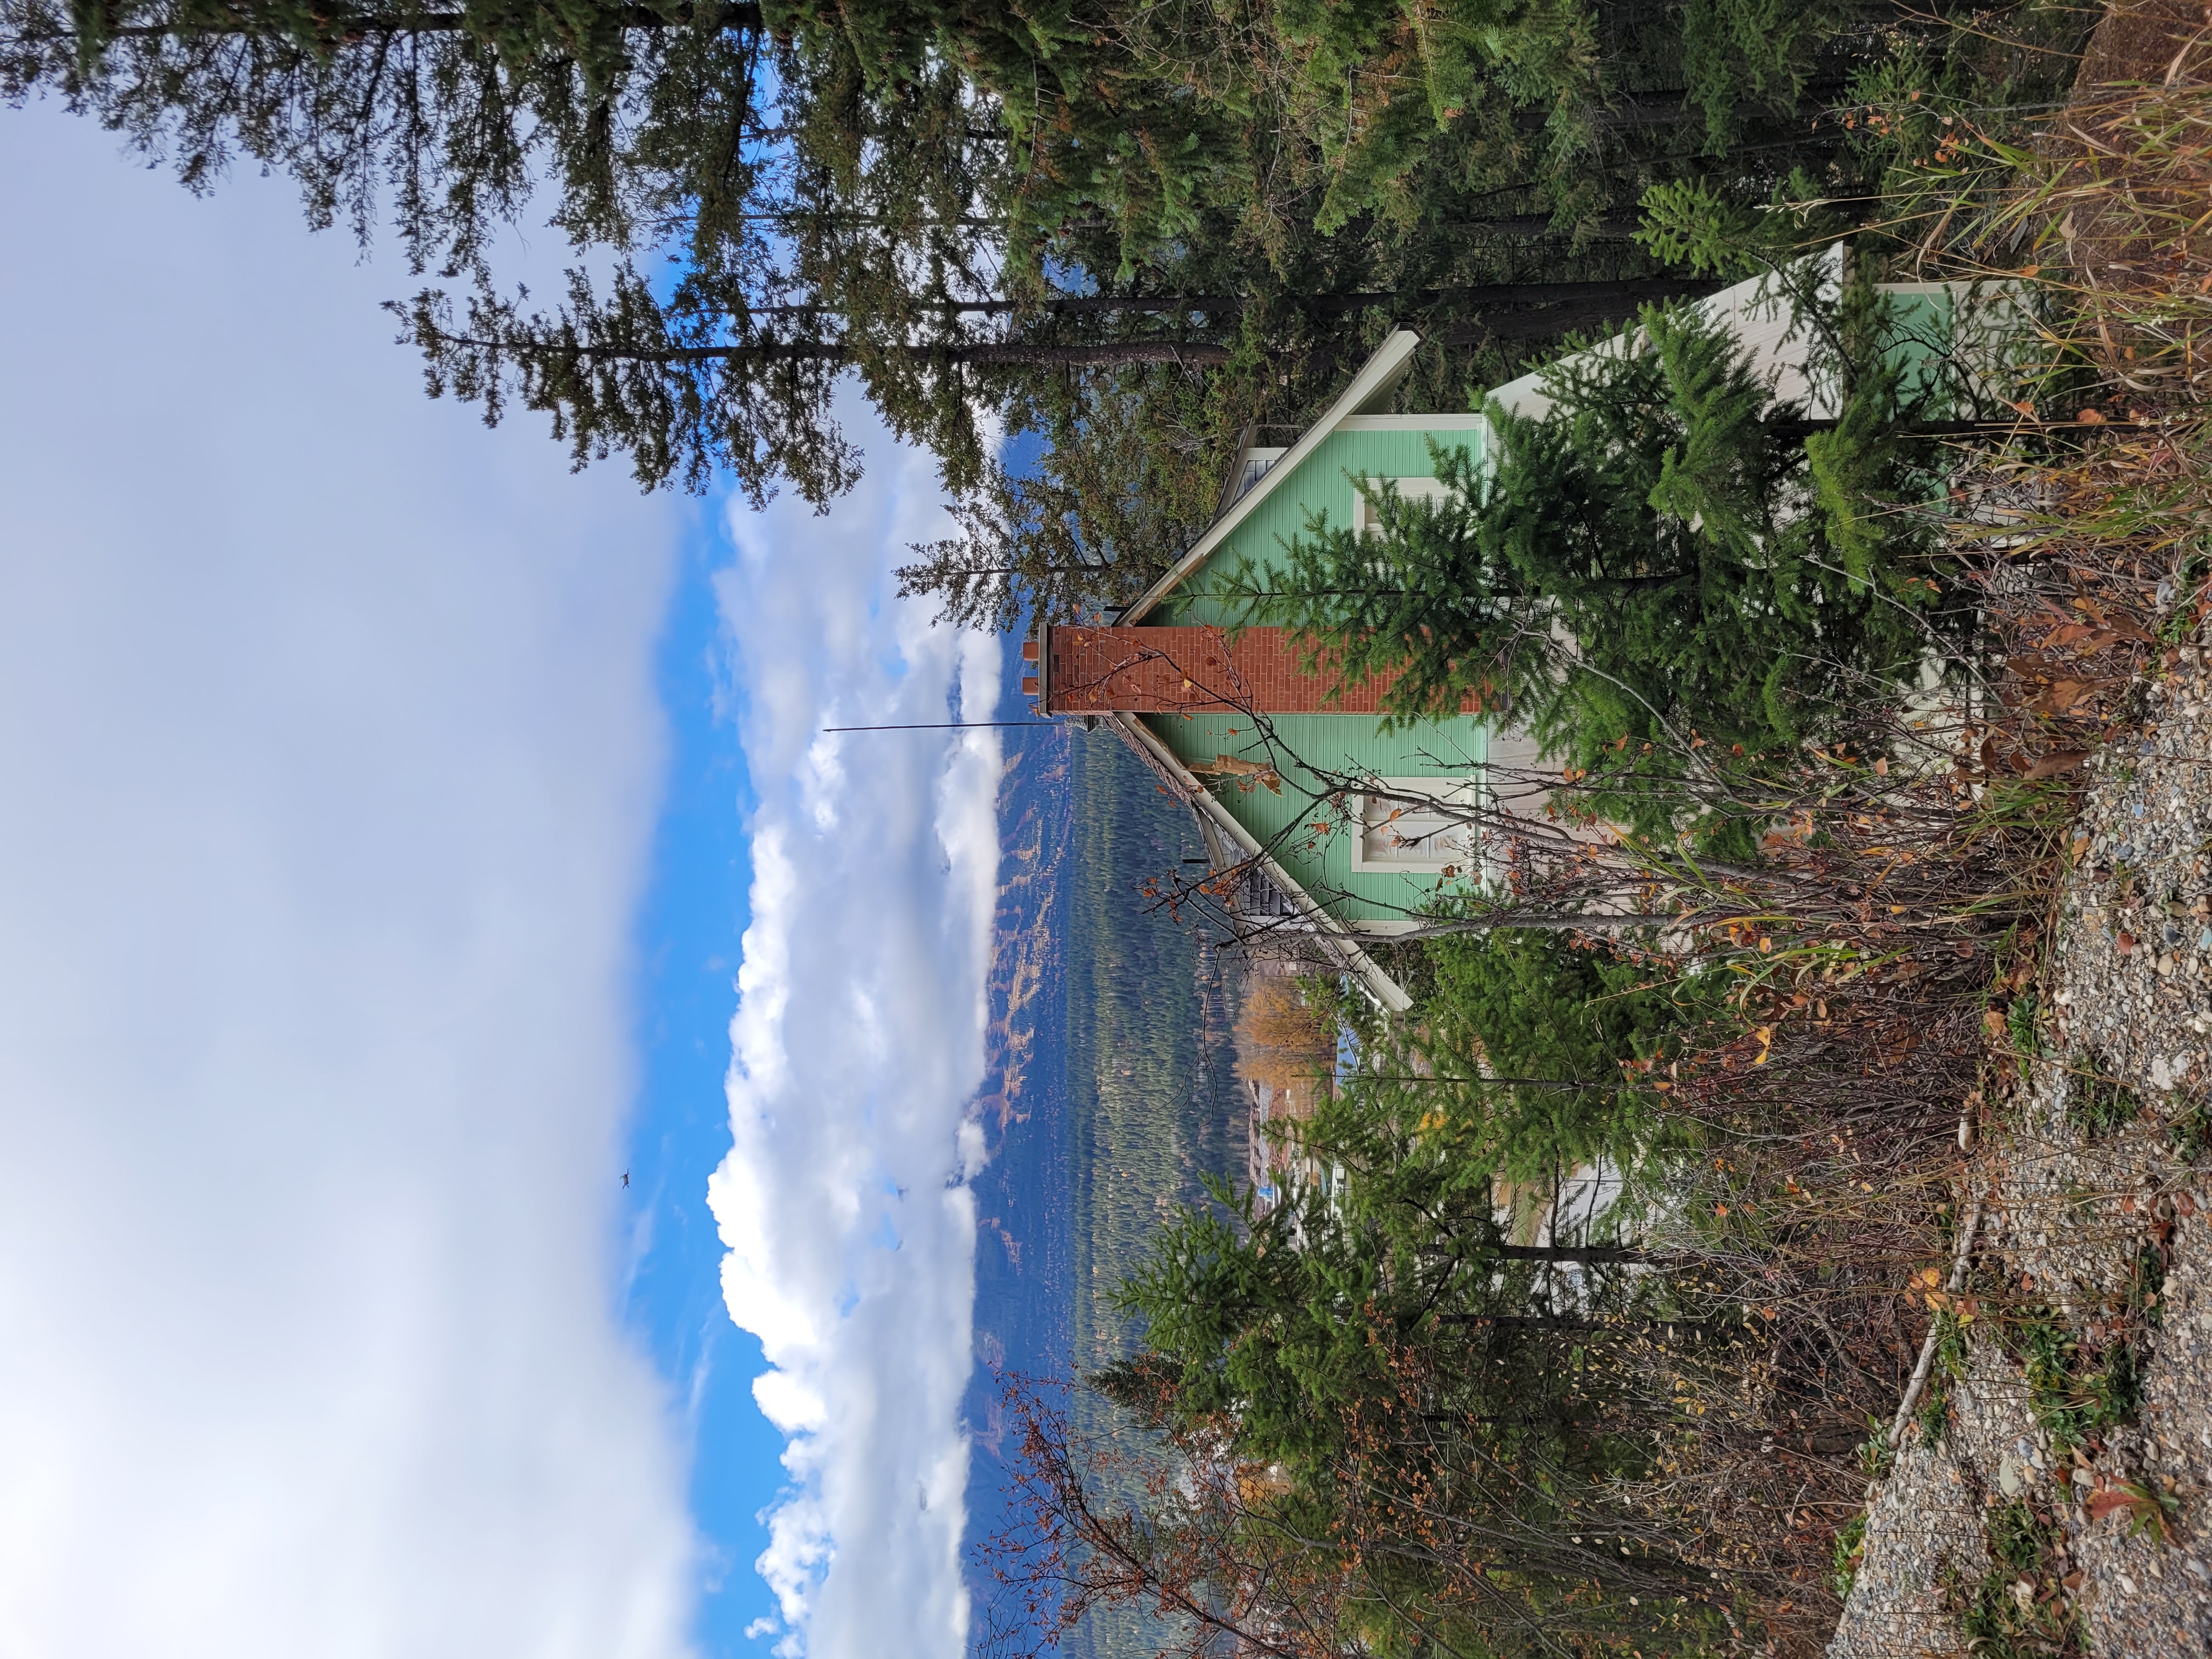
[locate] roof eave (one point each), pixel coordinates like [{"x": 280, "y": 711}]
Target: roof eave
[
  {"x": 1342, "y": 939},
  {"x": 1376, "y": 378}
]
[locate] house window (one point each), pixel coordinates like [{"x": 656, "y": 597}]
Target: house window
[
  {"x": 1257, "y": 463},
  {"x": 1419, "y": 826},
  {"x": 1364, "y": 519}
]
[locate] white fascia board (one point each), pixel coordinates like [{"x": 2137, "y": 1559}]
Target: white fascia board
[
  {"x": 1463, "y": 422},
  {"x": 1341, "y": 936},
  {"x": 1753, "y": 311},
  {"x": 1376, "y": 376}
]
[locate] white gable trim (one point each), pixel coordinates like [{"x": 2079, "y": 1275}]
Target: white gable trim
[
  {"x": 1410, "y": 423},
  {"x": 1379, "y": 373},
  {"x": 1340, "y": 935}
]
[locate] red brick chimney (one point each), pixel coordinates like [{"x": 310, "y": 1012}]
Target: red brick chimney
[{"x": 1173, "y": 671}]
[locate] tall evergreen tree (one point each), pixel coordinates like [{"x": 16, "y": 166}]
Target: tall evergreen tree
[
  {"x": 1369, "y": 1444},
  {"x": 642, "y": 117},
  {"x": 848, "y": 186},
  {"x": 1666, "y": 576}
]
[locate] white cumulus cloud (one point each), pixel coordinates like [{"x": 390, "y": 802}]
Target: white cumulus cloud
[
  {"x": 858, "y": 1046},
  {"x": 331, "y": 760}
]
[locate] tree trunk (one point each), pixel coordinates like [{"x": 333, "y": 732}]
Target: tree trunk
[
  {"x": 2013, "y": 428},
  {"x": 355, "y": 27},
  {"x": 1659, "y": 109},
  {"x": 1503, "y": 296},
  {"x": 1102, "y": 354},
  {"x": 1664, "y": 1329},
  {"x": 1554, "y": 307}
]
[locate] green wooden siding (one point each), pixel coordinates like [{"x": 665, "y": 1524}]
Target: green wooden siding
[
  {"x": 1323, "y": 481},
  {"x": 1322, "y": 862},
  {"x": 1927, "y": 330},
  {"x": 1940, "y": 339}
]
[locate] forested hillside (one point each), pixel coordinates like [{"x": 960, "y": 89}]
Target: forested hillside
[
  {"x": 1151, "y": 1088},
  {"x": 1152, "y": 1097},
  {"x": 1112, "y": 1091}
]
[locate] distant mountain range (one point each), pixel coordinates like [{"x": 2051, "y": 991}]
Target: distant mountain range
[{"x": 1110, "y": 1091}]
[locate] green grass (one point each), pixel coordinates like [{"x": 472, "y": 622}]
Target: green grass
[
  {"x": 2096, "y": 1105},
  {"x": 1851, "y": 1547},
  {"x": 1950, "y": 1367},
  {"x": 1997, "y": 1621},
  {"x": 2078, "y": 1390},
  {"x": 2189, "y": 1132}
]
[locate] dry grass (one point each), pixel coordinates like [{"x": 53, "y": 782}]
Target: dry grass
[
  {"x": 2084, "y": 532},
  {"x": 1282, "y": 1041}
]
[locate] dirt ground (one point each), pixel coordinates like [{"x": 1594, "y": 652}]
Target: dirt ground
[
  {"x": 2080, "y": 1205},
  {"x": 2141, "y": 43}
]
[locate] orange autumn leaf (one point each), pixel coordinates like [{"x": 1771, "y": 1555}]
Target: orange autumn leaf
[{"x": 2102, "y": 1504}]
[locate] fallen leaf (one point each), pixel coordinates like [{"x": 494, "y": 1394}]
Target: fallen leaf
[
  {"x": 2063, "y": 696},
  {"x": 2125, "y": 943},
  {"x": 2102, "y": 1504},
  {"x": 2088, "y": 637}
]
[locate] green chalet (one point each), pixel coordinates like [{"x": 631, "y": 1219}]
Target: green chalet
[{"x": 1342, "y": 832}]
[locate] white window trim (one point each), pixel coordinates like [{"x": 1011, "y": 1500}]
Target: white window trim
[
  {"x": 1445, "y": 791},
  {"x": 1411, "y": 489}
]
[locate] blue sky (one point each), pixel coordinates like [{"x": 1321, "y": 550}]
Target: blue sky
[
  {"x": 399, "y": 830},
  {"x": 694, "y": 913}
]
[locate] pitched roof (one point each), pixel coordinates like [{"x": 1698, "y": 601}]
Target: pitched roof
[
  {"x": 1376, "y": 380},
  {"x": 1216, "y": 819}
]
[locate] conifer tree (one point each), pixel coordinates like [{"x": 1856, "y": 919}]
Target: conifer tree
[
  {"x": 445, "y": 116},
  {"x": 856, "y": 186},
  {"x": 1363, "y": 1441},
  {"x": 1658, "y": 577}
]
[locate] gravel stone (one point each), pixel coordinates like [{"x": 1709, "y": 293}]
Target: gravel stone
[{"x": 2069, "y": 1214}]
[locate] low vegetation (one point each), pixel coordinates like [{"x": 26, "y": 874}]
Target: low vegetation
[
  {"x": 2016, "y": 1610},
  {"x": 1650, "y": 1201}
]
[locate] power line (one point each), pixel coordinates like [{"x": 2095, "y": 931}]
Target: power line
[{"x": 940, "y": 726}]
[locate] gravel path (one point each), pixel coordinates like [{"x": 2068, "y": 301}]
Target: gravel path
[{"x": 2092, "y": 1195}]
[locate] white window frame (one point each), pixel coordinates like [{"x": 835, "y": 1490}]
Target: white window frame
[
  {"x": 1411, "y": 489},
  {"x": 1465, "y": 791}
]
